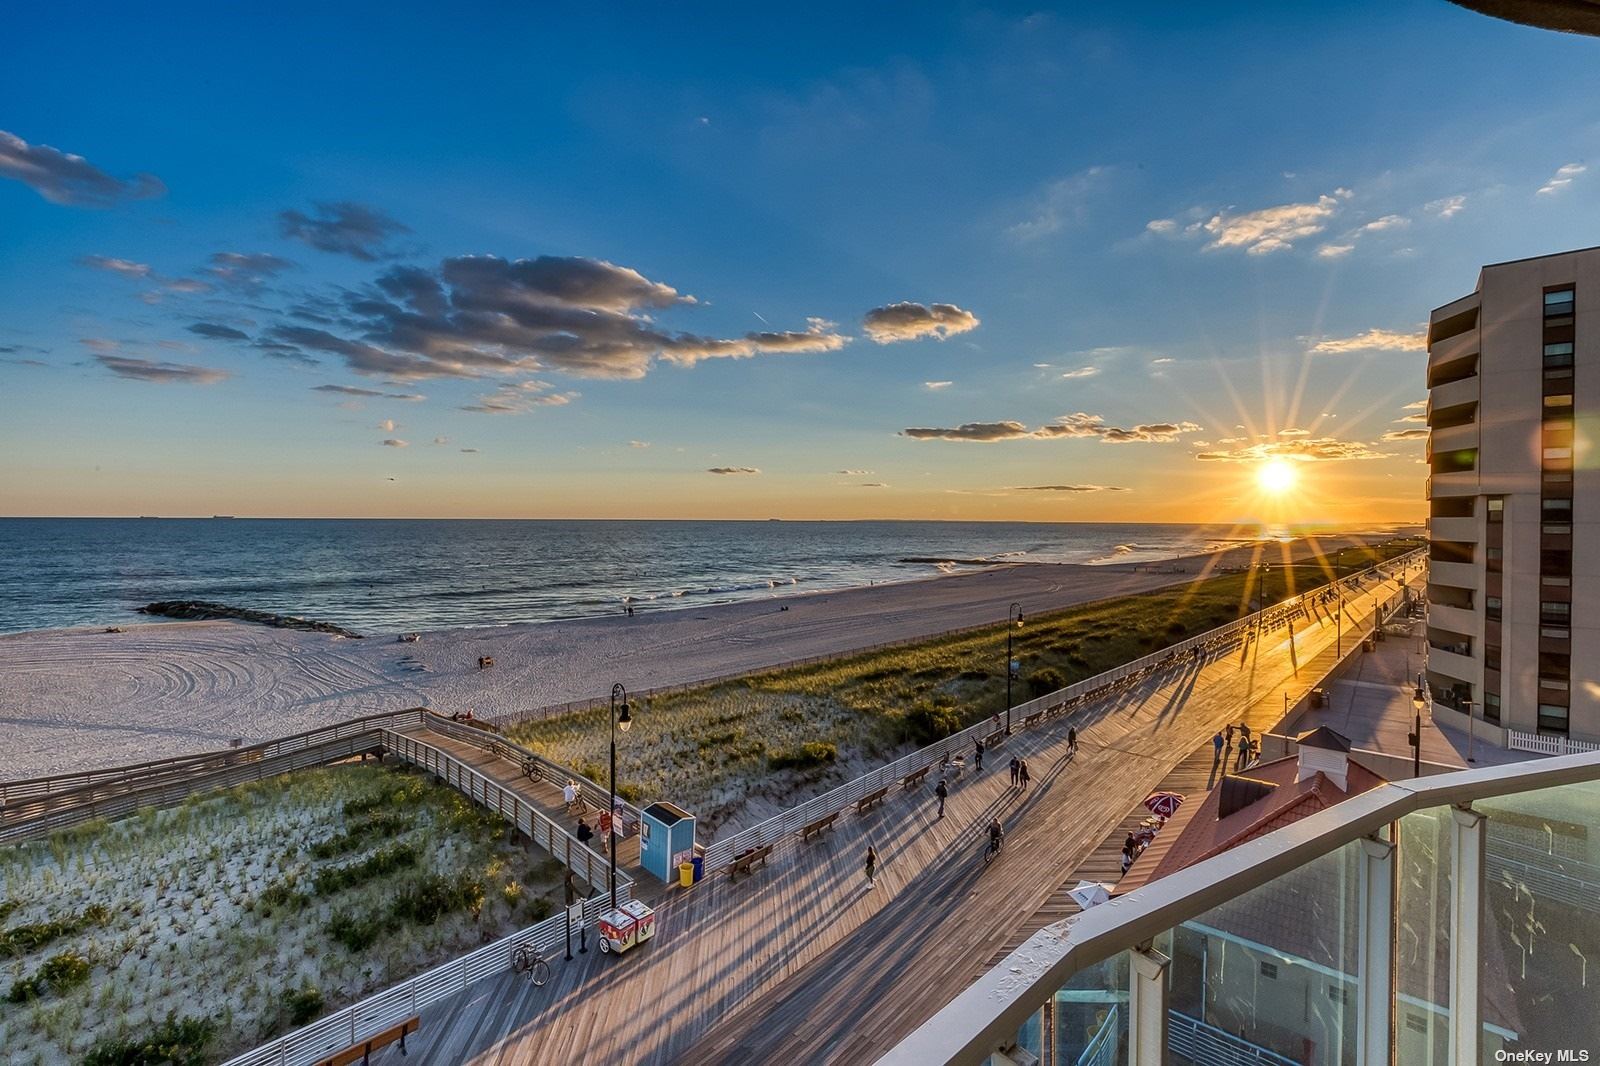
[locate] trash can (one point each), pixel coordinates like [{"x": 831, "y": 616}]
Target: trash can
[
  {"x": 686, "y": 874},
  {"x": 699, "y": 865}
]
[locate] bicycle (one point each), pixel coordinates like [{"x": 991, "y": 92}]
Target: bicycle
[
  {"x": 527, "y": 960},
  {"x": 992, "y": 851}
]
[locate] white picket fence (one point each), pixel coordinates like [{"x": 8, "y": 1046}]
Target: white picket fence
[
  {"x": 1206, "y": 646},
  {"x": 1546, "y": 744}
]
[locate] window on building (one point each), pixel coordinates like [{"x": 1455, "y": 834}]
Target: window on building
[
  {"x": 1549, "y": 453},
  {"x": 1556, "y": 530},
  {"x": 1494, "y": 559},
  {"x": 1451, "y": 506},
  {"x": 1491, "y": 656},
  {"x": 1555, "y": 684},
  {"x": 1269, "y": 969},
  {"x": 1558, "y": 304},
  {"x": 1552, "y": 718},
  {"x": 1497, "y": 509},
  {"x": 1563, "y": 375},
  {"x": 1491, "y": 608},
  {"x": 1560, "y": 507},
  {"x": 1555, "y": 612},
  {"x": 1557, "y": 477},
  {"x": 1558, "y": 355},
  {"x": 1491, "y": 706},
  {"x": 1559, "y": 400},
  {"x": 1455, "y": 461},
  {"x": 1555, "y": 632}
]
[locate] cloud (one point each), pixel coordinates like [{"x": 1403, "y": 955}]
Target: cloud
[
  {"x": 1082, "y": 372},
  {"x": 1062, "y": 202},
  {"x": 469, "y": 451},
  {"x": 394, "y": 442},
  {"x": 163, "y": 373},
  {"x": 1416, "y": 405},
  {"x": 1261, "y": 232},
  {"x": 388, "y": 425},
  {"x": 344, "y": 229},
  {"x": 937, "y": 385},
  {"x": 1387, "y": 222},
  {"x": 854, "y": 473},
  {"x": 477, "y": 315},
  {"x": 871, "y": 485},
  {"x": 733, "y": 470},
  {"x": 1415, "y": 416},
  {"x": 351, "y": 390},
  {"x": 638, "y": 444},
  {"x": 982, "y": 432},
  {"x": 217, "y": 331},
  {"x": 1373, "y": 340},
  {"x": 441, "y": 441},
  {"x": 1294, "y": 433},
  {"x": 1406, "y": 434},
  {"x": 1067, "y": 426},
  {"x": 907, "y": 321},
  {"x": 1305, "y": 449},
  {"x": 63, "y": 178},
  {"x": 1067, "y": 488},
  {"x": 1335, "y": 251},
  {"x": 99, "y": 344},
  {"x": 1163, "y": 361},
  {"x": 1562, "y": 178},
  {"x": 125, "y": 267},
  {"x": 1445, "y": 207},
  {"x": 518, "y": 398},
  {"x": 246, "y": 270}
]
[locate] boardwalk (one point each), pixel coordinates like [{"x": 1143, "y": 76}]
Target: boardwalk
[{"x": 803, "y": 962}]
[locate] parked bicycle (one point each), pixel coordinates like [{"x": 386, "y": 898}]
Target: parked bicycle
[{"x": 527, "y": 960}]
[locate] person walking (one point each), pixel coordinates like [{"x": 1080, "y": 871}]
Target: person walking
[
  {"x": 1216, "y": 748},
  {"x": 1072, "y": 740},
  {"x": 941, "y": 790},
  {"x": 1022, "y": 772},
  {"x": 1244, "y": 753},
  {"x": 585, "y": 834},
  {"x": 872, "y": 866},
  {"x": 977, "y": 752},
  {"x": 1016, "y": 769},
  {"x": 1227, "y": 742}
]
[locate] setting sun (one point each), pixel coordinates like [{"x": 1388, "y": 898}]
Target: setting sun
[{"x": 1277, "y": 476}]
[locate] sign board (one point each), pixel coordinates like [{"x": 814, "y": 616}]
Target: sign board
[{"x": 575, "y": 914}]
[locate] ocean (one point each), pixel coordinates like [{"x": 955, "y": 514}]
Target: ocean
[{"x": 390, "y": 575}]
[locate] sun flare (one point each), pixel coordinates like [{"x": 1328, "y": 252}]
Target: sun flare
[{"x": 1277, "y": 476}]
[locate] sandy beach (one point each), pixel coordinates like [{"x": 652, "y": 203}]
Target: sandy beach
[{"x": 81, "y": 698}]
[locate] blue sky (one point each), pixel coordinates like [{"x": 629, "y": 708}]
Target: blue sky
[{"x": 1225, "y": 225}]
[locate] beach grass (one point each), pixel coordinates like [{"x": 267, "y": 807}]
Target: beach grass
[
  {"x": 737, "y": 750},
  {"x": 240, "y": 914}
]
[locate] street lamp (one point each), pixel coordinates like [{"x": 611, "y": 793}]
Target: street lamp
[
  {"x": 619, "y": 696},
  {"x": 1013, "y": 622},
  {"x": 1467, "y": 706}
]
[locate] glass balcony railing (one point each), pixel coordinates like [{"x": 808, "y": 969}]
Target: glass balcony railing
[{"x": 1443, "y": 920}]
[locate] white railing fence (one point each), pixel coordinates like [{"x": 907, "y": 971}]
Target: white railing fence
[
  {"x": 1202, "y": 648},
  {"x": 1103, "y": 1047},
  {"x": 1546, "y": 744},
  {"x": 1199, "y": 1042}
]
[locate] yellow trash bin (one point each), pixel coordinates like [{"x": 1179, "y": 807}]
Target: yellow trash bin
[{"x": 686, "y": 874}]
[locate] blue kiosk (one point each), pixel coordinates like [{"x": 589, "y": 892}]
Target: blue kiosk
[{"x": 666, "y": 839}]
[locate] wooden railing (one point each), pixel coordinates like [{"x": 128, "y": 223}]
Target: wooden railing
[{"x": 1197, "y": 650}]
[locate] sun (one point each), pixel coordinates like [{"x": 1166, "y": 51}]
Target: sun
[{"x": 1277, "y": 476}]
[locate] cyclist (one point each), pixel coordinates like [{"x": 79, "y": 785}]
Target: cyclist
[{"x": 997, "y": 836}]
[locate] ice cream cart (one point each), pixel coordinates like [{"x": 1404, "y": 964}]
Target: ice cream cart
[{"x": 623, "y": 927}]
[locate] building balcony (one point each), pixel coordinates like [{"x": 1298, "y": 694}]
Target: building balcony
[
  {"x": 1460, "y": 529},
  {"x": 1452, "y": 348},
  {"x": 1463, "y": 620},
  {"x": 1199, "y": 965},
  {"x": 1461, "y": 575},
  {"x": 1453, "y": 393},
  {"x": 1454, "y": 664},
  {"x": 1454, "y": 438}
]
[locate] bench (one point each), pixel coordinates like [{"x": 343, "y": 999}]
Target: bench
[
  {"x": 746, "y": 862},
  {"x": 815, "y": 828},
  {"x": 362, "y": 1052},
  {"x": 914, "y": 778},
  {"x": 1033, "y": 719},
  {"x": 994, "y": 738},
  {"x": 865, "y": 802}
]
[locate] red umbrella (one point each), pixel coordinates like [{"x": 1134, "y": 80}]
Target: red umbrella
[{"x": 1163, "y": 804}]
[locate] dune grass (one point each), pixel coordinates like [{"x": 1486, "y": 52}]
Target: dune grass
[
  {"x": 237, "y": 915},
  {"x": 735, "y": 751}
]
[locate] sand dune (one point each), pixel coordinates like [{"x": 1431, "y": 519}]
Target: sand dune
[{"x": 75, "y": 699}]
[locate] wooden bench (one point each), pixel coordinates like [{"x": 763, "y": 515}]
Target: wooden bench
[
  {"x": 815, "y": 828},
  {"x": 1033, "y": 719},
  {"x": 994, "y": 738},
  {"x": 865, "y": 803},
  {"x": 746, "y": 862},
  {"x": 362, "y": 1052},
  {"x": 914, "y": 778}
]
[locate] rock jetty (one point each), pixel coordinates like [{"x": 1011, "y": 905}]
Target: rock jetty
[{"x": 198, "y": 610}]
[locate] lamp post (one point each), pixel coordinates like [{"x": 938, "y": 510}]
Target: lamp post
[
  {"x": 1013, "y": 622},
  {"x": 619, "y": 696},
  {"x": 1467, "y": 706}
]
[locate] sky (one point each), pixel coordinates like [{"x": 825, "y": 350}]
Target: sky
[{"x": 1155, "y": 262}]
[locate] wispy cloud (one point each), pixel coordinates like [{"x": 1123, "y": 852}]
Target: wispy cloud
[
  {"x": 734, "y": 470},
  {"x": 161, "y": 372},
  {"x": 519, "y": 398},
  {"x": 344, "y": 229},
  {"x": 394, "y": 442},
  {"x": 1312, "y": 449},
  {"x": 1563, "y": 177},
  {"x": 855, "y": 473},
  {"x": 388, "y": 425},
  {"x": 1059, "y": 204},
  {"x": 246, "y": 271},
  {"x": 1260, "y": 232},
  {"x": 1082, "y": 372},
  {"x": 906, "y": 321},
  {"x": 638, "y": 444},
  {"x": 217, "y": 331},
  {"x": 1067, "y": 426},
  {"x": 125, "y": 267},
  {"x": 1446, "y": 206},
  {"x": 351, "y": 390},
  {"x": 1068, "y": 488},
  {"x": 64, "y": 178},
  {"x": 469, "y": 451},
  {"x": 1406, "y": 434},
  {"x": 937, "y": 385},
  {"x": 1373, "y": 340}
]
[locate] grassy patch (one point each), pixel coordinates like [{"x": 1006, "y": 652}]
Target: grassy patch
[{"x": 734, "y": 751}]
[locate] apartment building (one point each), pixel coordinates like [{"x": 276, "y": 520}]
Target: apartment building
[{"x": 1514, "y": 500}]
